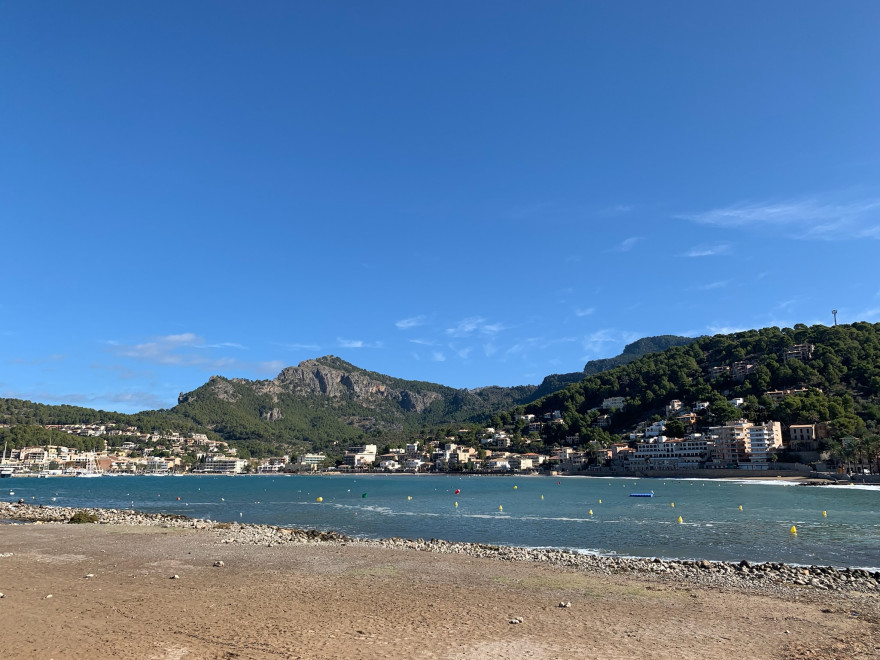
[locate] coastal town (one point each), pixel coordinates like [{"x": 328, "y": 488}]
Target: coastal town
[{"x": 676, "y": 444}]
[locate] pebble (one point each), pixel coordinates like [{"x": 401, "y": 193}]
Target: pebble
[
  {"x": 219, "y": 564},
  {"x": 518, "y": 619},
  {"x": 174, "y": 577},
  {"x": 769, "y": 577}
]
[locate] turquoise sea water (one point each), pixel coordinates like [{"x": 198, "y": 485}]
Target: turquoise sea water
[{"x": 525, "y": 511}]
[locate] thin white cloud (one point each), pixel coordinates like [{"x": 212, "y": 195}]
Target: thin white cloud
[
  {"x": 599, "y": 343},
  {"x": 438, "y": 356},
  {"x": 49, "y": 359},
  {"x": 584, "y": 311},
  {"x": 725, "y": 329},
  {"x": 271, "y": 366},
  {"x": 707, "y": 251},
  {"x": 357, "y": 343},
  {"x": 628, "y": 244},
  {"x": 186, "y": 349},
  {"x": 813, "y": 219},
  {"x": 474, "y": 325},
  {"x": 301, "y": 347},
  {"x": 720, "y": 284},
  {"x": 423, "y": 342},
  {"x": 412, "y": 322}
]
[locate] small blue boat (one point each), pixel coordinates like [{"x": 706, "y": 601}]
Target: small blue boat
[{"x": 641, "y": 494}]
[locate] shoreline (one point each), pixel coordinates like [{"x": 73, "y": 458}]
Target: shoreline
[
  {"x": 172, "y": 588},
  {"x": 778, "y": 576}
]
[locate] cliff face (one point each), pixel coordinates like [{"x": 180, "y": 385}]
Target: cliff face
[
  {"x": 314, "y": 378},
  {"x": 328, "y": 378}
]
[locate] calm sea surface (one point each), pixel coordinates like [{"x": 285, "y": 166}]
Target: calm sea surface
[{"x": 588, "y": 514}]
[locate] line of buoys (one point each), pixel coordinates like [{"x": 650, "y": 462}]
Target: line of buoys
[
  {"x": 794, "y": 530},
  {"x": 320, "y": 499},
  {"x": 680, "y": 520}
]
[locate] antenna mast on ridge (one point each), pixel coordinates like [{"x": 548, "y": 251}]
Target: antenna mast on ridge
[{"x": 834, "y": 311}]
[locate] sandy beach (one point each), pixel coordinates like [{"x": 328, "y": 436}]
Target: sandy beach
[{"x": 108, "y": 591}]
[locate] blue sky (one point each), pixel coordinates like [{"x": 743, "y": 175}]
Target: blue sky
[{"x": 470, "y": 193}]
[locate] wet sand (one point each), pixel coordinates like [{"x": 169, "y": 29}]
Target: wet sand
[{"x": 351, "y": 601}]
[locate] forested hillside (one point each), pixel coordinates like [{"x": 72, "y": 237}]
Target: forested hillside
[{"x": 841, "y": 375}]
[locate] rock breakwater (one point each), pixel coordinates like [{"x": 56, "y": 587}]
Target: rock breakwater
[{"x": 779, "y": 578}]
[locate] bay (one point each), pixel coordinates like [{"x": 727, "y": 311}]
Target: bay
[{"x": 587, "y": 514}]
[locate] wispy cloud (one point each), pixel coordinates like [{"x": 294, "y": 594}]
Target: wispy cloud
[
  {"x": 720, "y": 284},
  {"x": 301, "y": 347},
  {"x": 598, "y": 343},
  {"x": 474, "y": 325},
  {"x": 133, "y": 400},
  {"x": 628, "y": 244},
  {"x": 814, "y": 219},
  {"x": 357, "y": 343},
  {"x": 584, "y": 311},
  {"x": 707, "y": 251},
  {"x": 438, "y": 356},
  {"x": 725, "y": 329},
  {"x": 49, "y": 359},
  {"x": 412, "y": 322},
  {"x": 185, "y": 349}
]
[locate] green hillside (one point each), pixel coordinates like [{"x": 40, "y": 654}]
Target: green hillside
[{"x": 841, "y": 377}]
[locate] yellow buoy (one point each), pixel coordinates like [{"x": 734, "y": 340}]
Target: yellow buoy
[
  {"x": 794, "y": 530},
  {"x": 600, "y": 501},
  {"x": 591, "y": 512},
  {"x": 824, "y": 514},
  {"x": 740, "y": 507},
  {"x": 514, "y": 487},
  {"x": 542, "y": 497},
  {"x": 672, "y": 504},
  {"x": 409, "y": 497},
  {"x": 320, "y": 499},
  {"x": 456, "y": 504},
  {"x": 680, "y": 520},
  {"x": 500, "y": 508}
]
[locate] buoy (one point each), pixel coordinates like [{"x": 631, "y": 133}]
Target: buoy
[
  {"x": 457, "y": 491},
  {"x": 672, "y": 504},
  {"x": 178, "y": 499},
  {"x": 456, "y": 505},
  {"x": 740, "y": 507},
  {"x": 794, "y": 530},
  {"x": 680, "y": 520},
  {"x": 320, "y": 499},
  {"x": 409, "y": 497},
  {"x": 600, "y": 501},
  {"x": 514, "y": 487},
  {"x": 591, "y": 512},
  {"x": 364, "y": 496},
  {"x": 542, "y": 497},
  {"x": 240, "y": 514},
  {"x": 500, "y": 508},
  {"x": 824, "y": 514}
]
